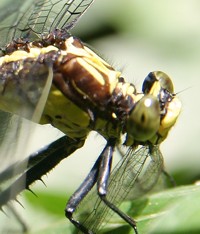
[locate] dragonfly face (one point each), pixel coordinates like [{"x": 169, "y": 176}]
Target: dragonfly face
[
  {"x": 156, "y": 112},
  {"x": 53, "y": 75}
]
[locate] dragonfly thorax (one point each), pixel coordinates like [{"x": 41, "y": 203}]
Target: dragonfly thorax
[{"x": 88, "y": 94}]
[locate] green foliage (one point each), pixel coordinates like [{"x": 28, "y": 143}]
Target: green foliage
[{"x": 172, "y": 211}]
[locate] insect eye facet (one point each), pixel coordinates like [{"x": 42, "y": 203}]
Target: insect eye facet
[
  {"x": 157, "y": 76},
  {"x": 144, "y": 120}
]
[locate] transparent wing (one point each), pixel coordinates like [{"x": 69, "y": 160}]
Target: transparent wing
[
  {"x": 150, "y": 176},
  {"x": 136, "y": 173},
  {"x": 21, "y": 138},
  {"x": 31, "y": 18},
  {"x": 24, "y": 94},
  {"x": 21, "y": 95}
]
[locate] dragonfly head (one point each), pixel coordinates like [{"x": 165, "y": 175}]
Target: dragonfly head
[{"x": 155, "y": 113}]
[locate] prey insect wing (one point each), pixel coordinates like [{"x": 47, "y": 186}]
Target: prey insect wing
[{"x": 134, "y": 175}]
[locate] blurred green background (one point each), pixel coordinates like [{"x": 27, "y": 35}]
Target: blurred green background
[{"x": 136, "y": 37}]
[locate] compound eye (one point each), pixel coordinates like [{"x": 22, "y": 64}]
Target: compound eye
[
  {"x": 148, "y": 82},
  {"x": 165, "y": 81},
  {"x": 157, "y": 76},
  {"x": 144, "y": 120}
]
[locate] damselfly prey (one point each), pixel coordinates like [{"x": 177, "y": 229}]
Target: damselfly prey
[{"x": 49, "y": 76}]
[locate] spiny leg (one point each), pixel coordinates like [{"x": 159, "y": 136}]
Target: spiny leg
[{"x": 87, "y": 185}]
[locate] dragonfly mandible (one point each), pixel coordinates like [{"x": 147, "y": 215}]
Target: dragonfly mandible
[{"x": 49, "y": 76}]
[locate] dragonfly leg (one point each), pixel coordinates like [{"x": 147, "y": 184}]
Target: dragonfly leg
[
  {"x": 79, "y": 194},
  {"x": 102, "y": 186},
  {"x": 105, "y": 168},
  {"x": 170, "y": 178},
  {"x": 38, "y": 164},
  {"x": 125, "y": 217},
  {"x": 87, "y": 185}
]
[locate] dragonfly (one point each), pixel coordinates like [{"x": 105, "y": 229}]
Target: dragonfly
[{"x": 48, "y": 76}]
